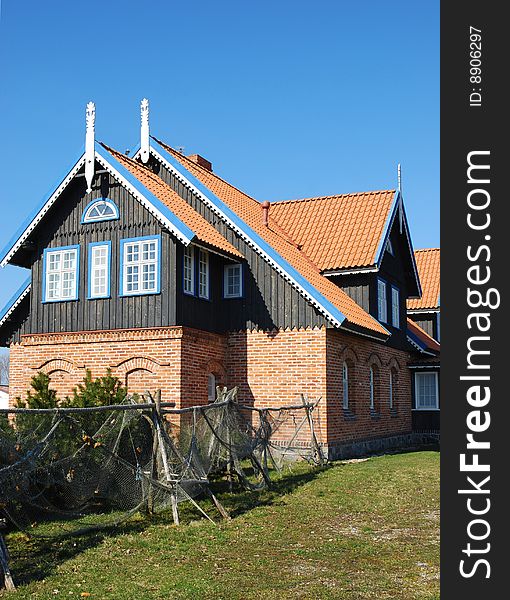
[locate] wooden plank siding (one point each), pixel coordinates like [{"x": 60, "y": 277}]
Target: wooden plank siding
[{"x": 63, "y": 227}]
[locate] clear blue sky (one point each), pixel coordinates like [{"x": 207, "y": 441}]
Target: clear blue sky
[{"x": 288, "y": 99}]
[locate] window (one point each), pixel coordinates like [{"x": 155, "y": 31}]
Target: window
[
  {"x": 372, "y": 387},
  {"x": 426, "y": 391},
  {"x": 232, "y": 281},
  {"x": 100, "y": 210},
  {"x": 189, "y": 270},
  {"x": 211, "y": 388},
  {"x": 99, "y": 270},
  {"x": 345, "y": 385},
  {"x": 389, "y": 247},
  {"x": 393, "y": 380},
  {"x": 61, "y": 271},
  {"x": 203, "y": 274},
  {"x": 382, "y": 303},
  {"x": 140, "y": 266},
  {"x": 395, "y": 307}
]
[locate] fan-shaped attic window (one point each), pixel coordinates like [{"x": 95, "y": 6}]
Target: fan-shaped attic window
[{"x": 100, "y": 210}]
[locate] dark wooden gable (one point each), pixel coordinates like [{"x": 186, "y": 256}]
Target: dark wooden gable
[
  {"x": 269, "y": 301},
  {"x": 62, "y": 227}
]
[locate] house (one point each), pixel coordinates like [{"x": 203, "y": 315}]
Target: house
[
  {"x": 425, "y": 313},
  {"x": 4, "y": 396},
  {"x": 157, "y": 268}
]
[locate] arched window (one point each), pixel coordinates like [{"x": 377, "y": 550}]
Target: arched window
[
  {"x": 345, "y": 386},
  {"x": 392, "y": 388},
  {"x": 211, "y": 388},
  {"x": 372, "y": 387},
  {"x": 101, "y": 209}
]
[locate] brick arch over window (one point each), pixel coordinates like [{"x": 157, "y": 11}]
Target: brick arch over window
[
  {"x": 139, "y": 381},
  {"x": 139, "y": 374},
  {"x": 374, "y": 359},
  {"x": 57, "y": 364},
  {"x": 393, "y": 364},
  {"x": 348, "y": 354}
]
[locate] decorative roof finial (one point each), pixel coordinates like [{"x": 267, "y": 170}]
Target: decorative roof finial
[
  {"x": 400, "y": 201},
  {"x": 144, "y": 130},
  {"x": 90, "y": 119}
]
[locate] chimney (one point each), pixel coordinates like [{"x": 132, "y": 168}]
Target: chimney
[
  {"x": 200, "y": 160},
  {"x": 265, "y": 212}
]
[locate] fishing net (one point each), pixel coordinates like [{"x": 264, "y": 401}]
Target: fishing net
[{"x": 95, "y": 467}]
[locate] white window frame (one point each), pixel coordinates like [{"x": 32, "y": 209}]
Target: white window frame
[
  {"x": 96, "y": 270},
  {"x": 345, "y": 386},
  {"x": 140, "y": 264},
  {"x": 203, "y": 274},
  {"x": 188, "y": 270},
  {"x": 395, "y": 307},
  {"x": 211, "y": 388},
  {"x": 86, "y": 218},
  {"x": 57, "y": 275},
  {"x": 419, "y": 375},
  {"x": 226, "y": 270},
  {"x": 372, "y": 387},
  {"x": 382, "y": 301},
  {"x": 389, "y": 247}
]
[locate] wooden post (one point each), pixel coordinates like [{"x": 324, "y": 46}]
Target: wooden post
[
  {"x": 5, "y": 573},
  {"x": 164, "y": 457}
]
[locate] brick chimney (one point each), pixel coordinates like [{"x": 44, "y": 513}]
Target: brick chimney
[
  {"x": 265, "y": 212},
  {"x": 200, "y": 160}
]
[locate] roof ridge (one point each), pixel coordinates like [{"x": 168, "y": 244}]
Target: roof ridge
[
  {"x": 330, "y": 197},
  {"x": 427, "y": 249}
]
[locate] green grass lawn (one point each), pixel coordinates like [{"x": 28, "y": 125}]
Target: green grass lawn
[{"x": 357, "y": 530}]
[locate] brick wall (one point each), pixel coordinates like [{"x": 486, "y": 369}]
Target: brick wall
[
  {"x": 270, "y": 368},
  {"x": 275, "y": 368},
  {"x": 360, "y": 422},
  {"x": 143, "y": 359}
]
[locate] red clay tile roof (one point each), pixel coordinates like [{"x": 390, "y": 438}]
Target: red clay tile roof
[
  {"x": 337, "y": 232},
  {"x": 250, "y": 211},
  {"x": 430, "y": 342},
  {"x": 428, "y": 264},
  {"x": 204, "y": 231}
]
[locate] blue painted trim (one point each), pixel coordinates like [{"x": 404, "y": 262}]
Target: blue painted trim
[
  {"x": 89, "y": 273},
  {"x": 193, "y": 274},
  {"x": 14, "y": 298},
  {"x": 144, "y": 238},
  {"x": 99, "y": 219},
  {"x": 262, "y": 244},
  {"x": 184, "y": 231},
  {"x": 28, "y": 221},
  {"x": 61, "y": 249},
  {"x": 241, "y": 295},
  {"x": 395, "y": 287},
  {"x": 417, "y": 340}
]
